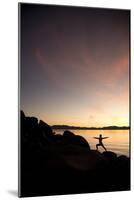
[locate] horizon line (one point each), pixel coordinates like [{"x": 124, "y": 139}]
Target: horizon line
[{"x": 109, "y": 126}]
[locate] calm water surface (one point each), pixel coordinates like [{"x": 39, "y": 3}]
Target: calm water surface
[{"x": 118, "y": 140}]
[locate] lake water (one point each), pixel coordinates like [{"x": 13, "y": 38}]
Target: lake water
[{"x": 117, "y": 142}]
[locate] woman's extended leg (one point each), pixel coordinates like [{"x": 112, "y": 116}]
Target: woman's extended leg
[
  {"x": 103, "y": 147},
  {"x": 97, "y": 146}
]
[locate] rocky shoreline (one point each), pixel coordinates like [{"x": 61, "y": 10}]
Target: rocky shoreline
[{"x": 53, "y": 164}]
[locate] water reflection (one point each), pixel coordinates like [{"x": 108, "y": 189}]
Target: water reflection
[{"x": 118, "y": 140}]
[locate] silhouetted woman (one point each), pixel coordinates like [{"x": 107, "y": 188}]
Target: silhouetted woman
[{"x": 100, "y": 138}]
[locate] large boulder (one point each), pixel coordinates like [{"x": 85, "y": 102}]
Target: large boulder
[
  {"x": 45, "y": 129},
  {"x": 123, "y": 161},
  {"x": 79, "y": 140},
  {"x": 68, "y": 134},
  {"x": 31, "y": 123},
  {"x": 109, "y": 155},
  {"x": 57, "y": 138},
  {"x": 73, "y": 139},
  {"x": 22, "y": 115}
]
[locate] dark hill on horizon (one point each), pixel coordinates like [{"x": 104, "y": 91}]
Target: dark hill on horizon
[{"x": 90, "y": 128}]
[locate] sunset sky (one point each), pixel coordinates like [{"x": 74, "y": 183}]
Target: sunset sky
[{"x": 75, "y": 65}]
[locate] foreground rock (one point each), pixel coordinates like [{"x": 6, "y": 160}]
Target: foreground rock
[{"x": 65, "y": 164}]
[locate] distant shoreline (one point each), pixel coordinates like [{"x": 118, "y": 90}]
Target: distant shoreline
[{"x": 89, "y": 128}]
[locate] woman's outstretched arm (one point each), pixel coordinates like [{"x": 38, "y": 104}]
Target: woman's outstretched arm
[
  {"x": 105, "y": 137},
  {"x": 95, "y": 137}
]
